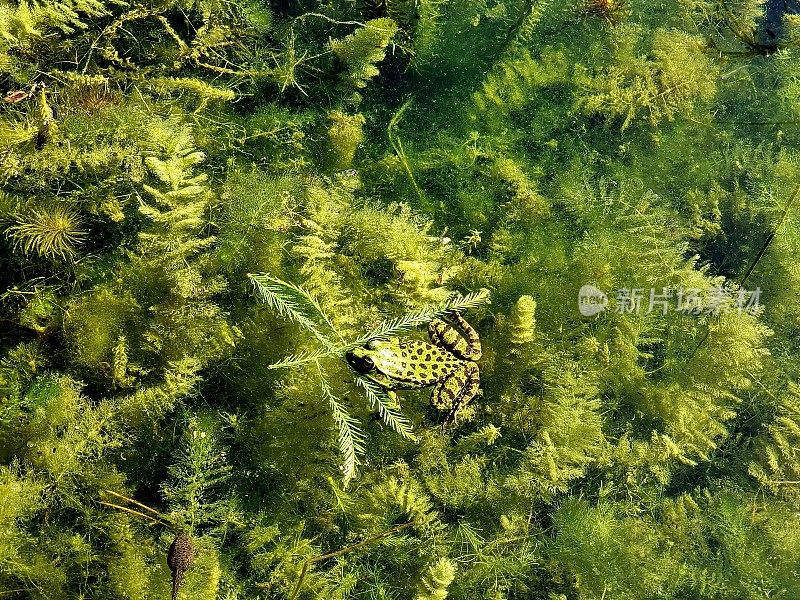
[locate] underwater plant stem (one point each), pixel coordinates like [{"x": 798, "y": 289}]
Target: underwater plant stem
[
  {"x": 131, "y": 511},
  {"x": 397, "y": 146},
  {"x": 332, "y": 20},
  {"x": 772, "y": 234},
  {"x": 132, "y": 501},
  {"x": 385, "y": 329},
  {"x": 345, "y": 550},
  {"x": 515, "y": 30},
  {"x": 759, "y": 255},
  {"x": 154, "y": 517}
]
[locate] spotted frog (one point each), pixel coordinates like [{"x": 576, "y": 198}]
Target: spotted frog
[{"x": 448, "y": 362}]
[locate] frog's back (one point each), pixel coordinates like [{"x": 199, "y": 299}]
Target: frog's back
[{"x": 421, "y": 363}]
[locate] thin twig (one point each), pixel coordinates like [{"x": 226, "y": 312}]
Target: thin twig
[
  {"x": 756, "y": 259},
  {"x": 132, "y": 501},
  {"x": 397, "y": 145},
  {"x": 344, "y": 550},
  {"x": 130, "y": 510}
]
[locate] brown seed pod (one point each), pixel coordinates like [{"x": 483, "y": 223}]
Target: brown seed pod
[{"x": 179, "y": 558}]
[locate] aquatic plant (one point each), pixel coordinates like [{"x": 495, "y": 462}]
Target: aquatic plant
[
  {"x": 300, "y": 306},
  {"x": 204, "y": 206}
]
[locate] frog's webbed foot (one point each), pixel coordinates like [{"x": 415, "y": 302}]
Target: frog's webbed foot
[
  {"x": 394, "y": 403},
  {"x": 456, "y": 391},
  {"x": 444, "y": 335},
  {"x": 392, "y": 395},
  {"x": 387, "y": 385}
]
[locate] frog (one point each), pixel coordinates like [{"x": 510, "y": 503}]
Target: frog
[{"x": 448, "y": 362}]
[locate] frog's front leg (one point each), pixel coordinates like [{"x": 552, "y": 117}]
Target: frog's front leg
[
  {"x": 388, "y": 385},
  {"x": 456, "y": 391},
  {"x": 467, "y": 346}
]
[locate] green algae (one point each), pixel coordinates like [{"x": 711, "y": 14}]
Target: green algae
[{"x": 205, "y": 205}]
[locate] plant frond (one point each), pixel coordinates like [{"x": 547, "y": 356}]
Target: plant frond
[
  {"x": 350, "y": 437},
  {"x": 387, "y": 409},
  {"x": 436, "y": 581},
  {"x": 424, "y": 315},
  {"x": 282, "y": 297},
  {"x": 49, "y": 232},
  {"x": 301, "y": 358}
]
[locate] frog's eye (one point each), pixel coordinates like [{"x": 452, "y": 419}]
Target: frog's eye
[{"x": 362, "y": 364}]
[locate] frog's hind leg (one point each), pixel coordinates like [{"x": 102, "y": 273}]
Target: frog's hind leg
[
  {"x": 456, "y": 391},
  {"x": 473, "y": 350},
  {"x": 466, "y": 346}
]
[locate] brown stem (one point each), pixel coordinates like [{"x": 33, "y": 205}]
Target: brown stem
[
  {"x": 131, "y": 511},
  {"x": 132, "y": 501},
  {"x": 344, "y": 550},
  {"x": 154, "y": 517}
]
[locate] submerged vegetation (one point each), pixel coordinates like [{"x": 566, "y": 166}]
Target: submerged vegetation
[{"x": 205, "y": 206}]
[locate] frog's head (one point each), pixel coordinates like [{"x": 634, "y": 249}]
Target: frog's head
[{"x": 362, "y": 359}]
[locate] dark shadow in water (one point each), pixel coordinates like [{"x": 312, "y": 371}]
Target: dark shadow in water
[{"x": 770, "y": 30}]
